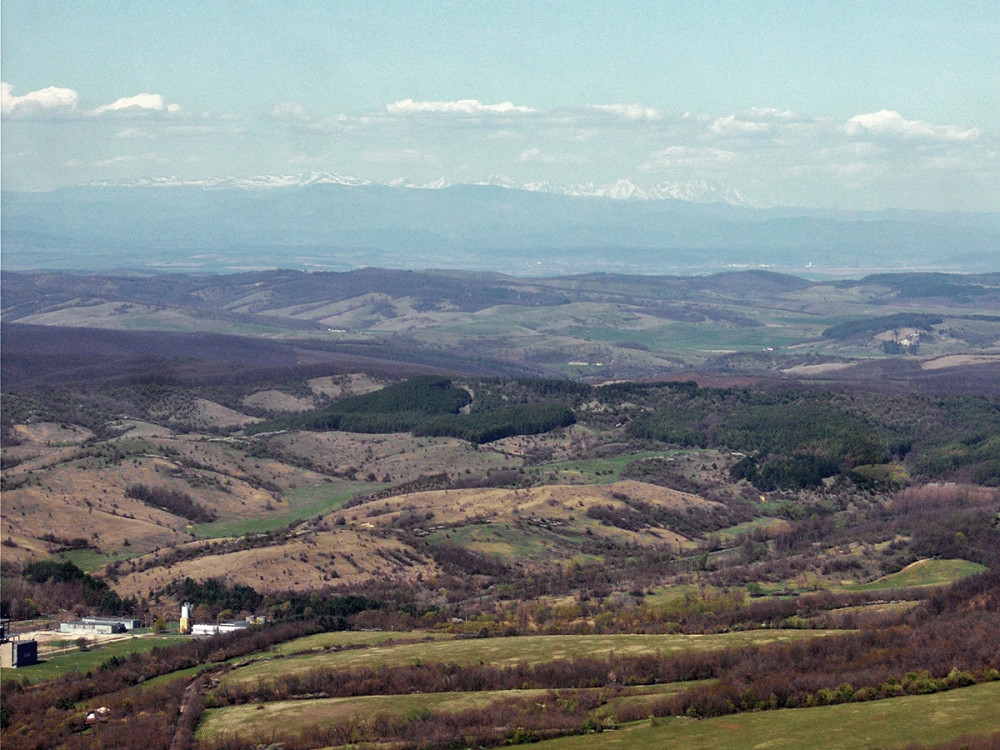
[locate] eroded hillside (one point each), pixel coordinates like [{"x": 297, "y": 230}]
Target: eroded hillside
[{"x": 791, "y": 486}]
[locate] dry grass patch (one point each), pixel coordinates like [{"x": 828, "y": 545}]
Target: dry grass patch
[
  {"x": 137, "y": 428},
  {"x": 205, "y": 413},
  {"x": 341, "y": 386},
  {"x": 959, "y": 360},
  {"x": 52, "y": 433},
  {"x": 393, "y": 458},
  {"x": 273, "y": 400},
  {"x": 820, "y": 369},
  {"x": 548, "y": 506},
  {"x": 311, "y": 561},
  {"x": 77, "y": 493}
]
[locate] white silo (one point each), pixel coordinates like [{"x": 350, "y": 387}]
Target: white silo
[{"x": 184, "y": 627}]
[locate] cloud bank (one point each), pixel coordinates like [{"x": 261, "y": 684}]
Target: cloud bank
[
  {"x": 57, "y": 101},
  {"x": 772, "y": 156},
  {"x": 461, "y": 107},
  {"x": 137, "y": 103},
  {"x": 47, "y": 101},
  {"x": 885, "y": 122}
]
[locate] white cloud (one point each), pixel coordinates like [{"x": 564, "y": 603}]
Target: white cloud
[
  {"x": 194, "y": 129},
  {"x": 461, "y": 107},
  {"x": 774, "y": 156},
  {"x": 288, "y": 111},
  {"x": 129, "y": 158},
  {"x": 674, "y": 156},
  {"x": 770, "y": 113},
  {"x": 133, "y": 133},
  {"x": 756, "y": 121},
  {"x": 736, "y": 125},
  {"x": 50, "y": 100},
  {"x": 888, "y": 122},
  {"x": 538, "y": 156},
  {"x": 628, "y": 111},
  {"x": 137, "y": 103},
  {"x": 503, "y": 135}
]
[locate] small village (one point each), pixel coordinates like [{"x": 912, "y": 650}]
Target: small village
[{"x": 18, "y": 650}]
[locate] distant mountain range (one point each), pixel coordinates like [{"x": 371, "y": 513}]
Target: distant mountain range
[
  {"x": 698, "y": 191},
  {"x": 332, "y": 222}
]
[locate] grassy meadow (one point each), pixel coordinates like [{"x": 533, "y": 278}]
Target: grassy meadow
[
  {"x": 500, "y": 652},
  {"x": 925, "y": 573},
  {"x": 893, "y": 723},
  {"x": 53, "y": 665},
  {"x": 258, "y": 720}
]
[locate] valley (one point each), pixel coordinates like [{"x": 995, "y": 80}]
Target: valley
[{"x": 601, "y": 507}]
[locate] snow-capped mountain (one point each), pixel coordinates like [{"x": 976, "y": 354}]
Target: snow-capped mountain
[
  {"x": 439, "y": 184},
  {"x": 693, "y": 191},
  {"x": 623, "y": 189},
  {"x": 328, "y": 221},
  {"x": 242, "y": 183},
  {"x": 502, "y": 180}
]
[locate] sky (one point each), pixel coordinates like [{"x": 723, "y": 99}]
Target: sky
[{"x": 854, "y": 105}]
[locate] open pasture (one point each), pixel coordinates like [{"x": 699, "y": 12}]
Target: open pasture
[
  {"x": 925, "y": 573},
  {"x": 52, "y": 665},
  {"x": 326, "y": 642},
  {"x": 603, "y": 470},
  {"x": 300, "y": 503},
  {"x": 892, "y": 723},
  {"x": 503, "y": 652},
  {"x": 257, "y": 721}
]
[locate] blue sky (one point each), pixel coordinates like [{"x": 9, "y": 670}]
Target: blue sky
[{"x": 839, "y": 104}]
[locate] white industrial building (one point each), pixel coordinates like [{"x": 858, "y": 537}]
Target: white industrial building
[
  {"x": 219, "y": 627},
  {"x": 186, "y": 626}
]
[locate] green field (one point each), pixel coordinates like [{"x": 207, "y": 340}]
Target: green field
[
  {"x": 893, "y": 723},
  {"x": 604, "y": 470},
  {"x": 257, "y": 720},
  {"x": 90, "y": 559},
  {"x": 509, "y": 651},
  {"x": 504, "y": 540},
  {"x": 302, "y": 503},
  {"x": 668, "y": 595},
  {"x": 52, "y": 666},
  {"x": 735, "y": 532},
  {"x": 348, "y": 638},
  {"x": 925, "y": 573}
]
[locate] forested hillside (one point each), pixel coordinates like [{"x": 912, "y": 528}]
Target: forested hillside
[{"x": 454, "y": 546}]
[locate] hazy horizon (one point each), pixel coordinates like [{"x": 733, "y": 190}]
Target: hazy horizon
[{"x": 849, "y": 105}]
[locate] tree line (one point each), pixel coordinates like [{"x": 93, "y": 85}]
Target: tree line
[
  {"x": 950, "y": 641},
  {"x": 42, "y": 586},
  {"x": 175, "y": 502}
]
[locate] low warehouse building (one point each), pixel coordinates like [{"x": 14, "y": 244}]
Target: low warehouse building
[
  {"x": 129, "y": 623},
  {"x": 82, "y": 626},
  {"x": 17, "y": 653}
]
